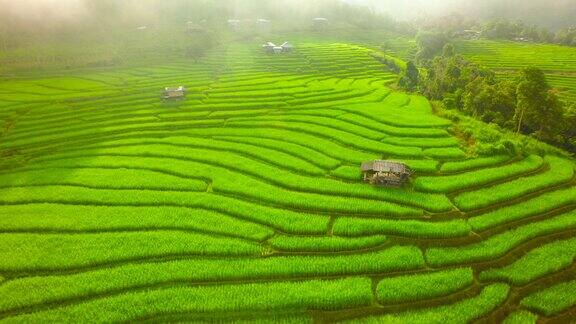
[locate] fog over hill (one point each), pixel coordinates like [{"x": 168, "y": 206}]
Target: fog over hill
[{"x": 550, "y": 13}]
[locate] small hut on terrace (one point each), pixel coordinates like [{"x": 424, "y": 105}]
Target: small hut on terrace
[
  {"x": 287, "y": 47},
  {"x": 269, "y": 47},
  {"x": 234, "y": 23},
  {"x": 192, "y": 27},
  {"x": 263, "y": 23},
  {"x": 320, "y": 22},
  {"x": 174, "y": 93},
  {"x": 272, "y": 48},
  {"x": 385, "y": 173}
]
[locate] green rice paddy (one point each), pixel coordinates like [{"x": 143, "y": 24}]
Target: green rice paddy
[
  {"x": 559, "y": 62},
  {"x": 245, "y": 201}
]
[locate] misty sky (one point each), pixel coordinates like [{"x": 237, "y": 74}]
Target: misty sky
[{"x": 553, "y": 13}]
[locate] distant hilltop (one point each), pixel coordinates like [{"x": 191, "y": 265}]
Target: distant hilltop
[{"x": 553, "y": 14}]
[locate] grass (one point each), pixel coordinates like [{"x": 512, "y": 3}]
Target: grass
[
  {"x": 544, "y": 260},
  {"x": 552, "y": 300},
  {"x": 325, "y": 244},
  {"x": 461, "y": 312},
  {"x": 130, "y": 276},
  {"x": 466, "y": 165},
  {"x": 561, "y": 171},
  {"x": 507, "y": 58},
  {"x": 521, "y": 317},
  {"x": 37, "y": 252},
  {"x": 498, "y": 245},
  {"x": 285, "y": 220},
  {"x": 62, "y": 218},
  {"x": 405, "y": 289},
  {"x": 245, "y": 203},
  {"x": 102, "y": 178},
  {"x": 296, "y": 296},
  {"x": 407, "y": 228},
  {"x": 266, "y": 181},
  {"x": 466, "y": 180},
  {"x": 450, "y": 153},
  {"x": 541, "y": 204}
]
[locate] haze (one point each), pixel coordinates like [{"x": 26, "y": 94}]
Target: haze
[{"x": 553, "y": 14}]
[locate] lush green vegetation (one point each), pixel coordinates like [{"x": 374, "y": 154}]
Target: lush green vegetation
[
  {"x": 451, "y": 183},
  {"x": 461, "y": 312},
  {"x": 524, "y": 103},
  {"x": 505, "y": 56},
  {"x": 547, "y": 202},
  {"x": 521, "y": 317},
  {"x": 554, "y": 299},
  {"x": 423, "y": 286},
  {"x": 215, "y": 299},
  {"x": 500, "y": 244},
  {"x": 547, "y": 259},
  {"x": 560, "y": 171},
  {"x": 327, "y": 244},
  {"x": 245, "y": 201}
]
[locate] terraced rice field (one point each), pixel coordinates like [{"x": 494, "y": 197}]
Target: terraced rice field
[
  {"x": 559, "y": 62},
  {"x": 245, "y": 202}
]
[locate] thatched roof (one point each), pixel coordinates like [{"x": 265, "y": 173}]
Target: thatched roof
[{"x": 385, "y": 166}]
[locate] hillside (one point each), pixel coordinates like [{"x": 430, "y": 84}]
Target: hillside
[
  {"x": 559, "y": 62},
  {"x": 245, "y": 201}
]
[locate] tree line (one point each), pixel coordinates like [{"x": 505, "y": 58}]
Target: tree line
[
  {"x": 524, "y": 103},
  {"x": 499, "y": 29}
]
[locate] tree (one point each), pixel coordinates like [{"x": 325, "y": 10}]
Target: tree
[
  {"x": 429, "y": 45},
  {"x": 410, "y": 78},
  {"x": 569, "y": 131},
  {"x": 538, "y": 107},
  {"x": 448, "y": 50}
]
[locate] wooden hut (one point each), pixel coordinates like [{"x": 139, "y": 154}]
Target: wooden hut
[
  {"x": 269, "y": 47},
  {"x": 320, "y": 23},
  {"x": 272, "y": 48},
  {"x": 385, "y": 173},
  {"x": 176, "y": 93},
  {"x": 263, "y": 23},
  {"x": 234, "y": 23},
  {"x": 287, "y": 47},
  {"x": 192, "y": 27}
]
